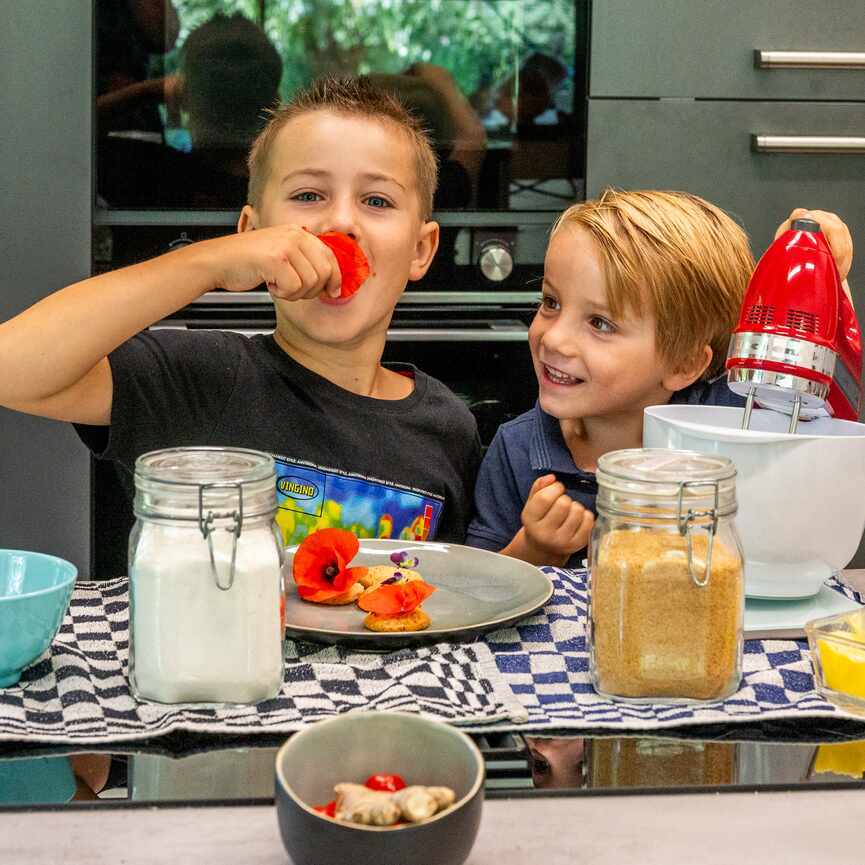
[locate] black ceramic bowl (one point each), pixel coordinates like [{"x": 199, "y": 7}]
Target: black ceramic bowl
[{"x": 353, "y": 747}]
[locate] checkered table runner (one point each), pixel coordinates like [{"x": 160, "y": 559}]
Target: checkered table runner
[
  {"x": 79, "y": 692},
  {"x": 545, "y": 661},
  {"x": 530, "y": 677}
]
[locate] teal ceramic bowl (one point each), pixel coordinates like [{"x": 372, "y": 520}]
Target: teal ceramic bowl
[
  {"x": 351, "y": 748},
  {"x": 35, "y": 590}
]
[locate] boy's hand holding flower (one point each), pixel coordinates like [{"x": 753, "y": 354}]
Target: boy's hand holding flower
[
  {"x": 292, "y": 262},
  {"x": 554, "y": 525}
]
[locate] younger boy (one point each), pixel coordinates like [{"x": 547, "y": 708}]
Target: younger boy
[
  {"x": 641, "y": 291},
  {"x": 374, "y": 449}
]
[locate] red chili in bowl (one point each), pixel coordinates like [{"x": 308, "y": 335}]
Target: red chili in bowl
[{"x": 386, "y": 783}]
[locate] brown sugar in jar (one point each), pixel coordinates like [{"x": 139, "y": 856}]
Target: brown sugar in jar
[
  {"x": 656, "y": 633},
  {"x": 664, "y": 625}
]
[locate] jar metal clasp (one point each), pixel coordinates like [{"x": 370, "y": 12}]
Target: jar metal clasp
[
  {"x": 206, "y": 525},
  {"x": 686, "y": 523}
]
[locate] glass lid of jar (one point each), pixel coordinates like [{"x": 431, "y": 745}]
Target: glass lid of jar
[
  {"x": 205, "y": 484},
  {"x": 656, "y": 475},
  {"x": 203, "y": 465}
]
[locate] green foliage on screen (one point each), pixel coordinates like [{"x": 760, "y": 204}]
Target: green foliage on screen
[{"x": 481, "y": 42}]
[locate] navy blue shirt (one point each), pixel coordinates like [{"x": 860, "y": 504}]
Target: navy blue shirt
[{"x": 532, "y": 445}]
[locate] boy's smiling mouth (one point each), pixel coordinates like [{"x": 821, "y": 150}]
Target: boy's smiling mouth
[{"x": 556, "y": 376}]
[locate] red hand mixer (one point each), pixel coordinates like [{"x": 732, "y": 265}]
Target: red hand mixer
[{"x": 797, "y": 347}]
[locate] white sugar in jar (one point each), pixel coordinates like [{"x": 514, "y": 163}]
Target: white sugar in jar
[{"x": 205, "y": 568}]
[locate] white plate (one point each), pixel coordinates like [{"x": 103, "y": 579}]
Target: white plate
[
  {"x": 476, "y": 591},
  {"x": 785, "y": 620}
]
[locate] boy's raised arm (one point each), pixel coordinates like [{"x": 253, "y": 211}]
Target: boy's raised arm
[{"x": 54, "y": 355}]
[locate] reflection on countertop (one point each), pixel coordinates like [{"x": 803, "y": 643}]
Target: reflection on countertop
[{"x": 516, "y": 765}]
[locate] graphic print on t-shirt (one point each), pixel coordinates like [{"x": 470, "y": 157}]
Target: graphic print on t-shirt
[{"x": 311, "y": 497}]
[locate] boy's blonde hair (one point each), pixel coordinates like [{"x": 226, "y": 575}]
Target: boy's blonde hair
[
  {"x": 357, "y": 97},
  {"x": 679, "y": 255}
]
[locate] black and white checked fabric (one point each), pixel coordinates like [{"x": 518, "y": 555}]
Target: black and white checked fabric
[
  {"x": 79, "y": 692},
  {"x": 545, "y": 661},
  {"x": 533, "y": 676}
]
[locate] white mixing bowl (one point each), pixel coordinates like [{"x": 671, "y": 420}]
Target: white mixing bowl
[{"x": 801, "y": 496}]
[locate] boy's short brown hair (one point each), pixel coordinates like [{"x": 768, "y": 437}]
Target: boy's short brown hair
[
  {"x": 354, "y": 97},
  {"x": 680, "y": 255}
]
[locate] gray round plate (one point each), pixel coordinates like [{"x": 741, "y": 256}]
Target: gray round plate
[{"x": 476, "y": 591}]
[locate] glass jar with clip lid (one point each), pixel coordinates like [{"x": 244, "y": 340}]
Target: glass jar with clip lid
[
  {"x": 205, "y": 577},
  {"x": 666, "y": 586}
]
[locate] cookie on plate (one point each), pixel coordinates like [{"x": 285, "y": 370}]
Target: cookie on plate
[
  {"x": 416, "y": 620},
  {"x": 377, "y": 574}
]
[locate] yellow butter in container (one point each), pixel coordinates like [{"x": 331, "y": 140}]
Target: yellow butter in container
[{"x": 837, "y": 646}]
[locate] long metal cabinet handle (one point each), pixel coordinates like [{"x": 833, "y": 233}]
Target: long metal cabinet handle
[
  {"x": 407, "y": 334},
  {"x": 809, "y": 59},
  {"x": 837, "y": 144}
]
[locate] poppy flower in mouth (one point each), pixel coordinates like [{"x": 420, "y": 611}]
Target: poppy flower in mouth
[
  {"x": 353, "y": 264},
  {"x": 396, "y": 599},
  {"x": 320, "y": 566}
]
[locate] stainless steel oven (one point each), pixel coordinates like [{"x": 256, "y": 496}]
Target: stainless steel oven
[{"x": 500, "y": 84}]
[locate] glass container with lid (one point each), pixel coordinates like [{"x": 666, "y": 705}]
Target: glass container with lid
[
  {"x": 205, "y": 577},
  {"x": 666, "y": 585}
]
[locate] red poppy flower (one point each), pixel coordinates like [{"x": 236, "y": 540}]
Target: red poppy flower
[
  {"x": 353, "y": 264},
  {"x": 320, "y": 566},
  {"x": 395, "y": 599}
]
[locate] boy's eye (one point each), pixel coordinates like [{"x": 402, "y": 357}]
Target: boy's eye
[
  {"x": 306, "y": 196},
  {"x": 599, "y": 323},
  {"x": 377, "y": 201},
  {"x": 549, "y": 303}
]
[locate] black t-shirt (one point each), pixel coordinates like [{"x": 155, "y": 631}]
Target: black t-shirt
[{"x": 381, "y": 468}]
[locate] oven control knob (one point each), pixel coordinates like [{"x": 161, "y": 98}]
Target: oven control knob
[
  {"x": 183, "y": 240},
  {"x": 496, "y": 260}
]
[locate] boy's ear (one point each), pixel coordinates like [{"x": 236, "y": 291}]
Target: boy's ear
[
  {"x": 425, "y": 250},
  {"x": 248, "y": 219},
  {"x": 688, "y": 373}
]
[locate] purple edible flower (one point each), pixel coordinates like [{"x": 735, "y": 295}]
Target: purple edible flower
[{"x": 403, "y": 559}]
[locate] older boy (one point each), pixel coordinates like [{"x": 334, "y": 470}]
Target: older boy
[
  {"x": 355, "y": 442},
  {"x": 640, "y": 293}
]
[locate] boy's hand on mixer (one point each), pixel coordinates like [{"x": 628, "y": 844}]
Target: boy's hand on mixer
[
  {"x": 554, "y": 525},
  {"x": 835, "y": 231}
]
